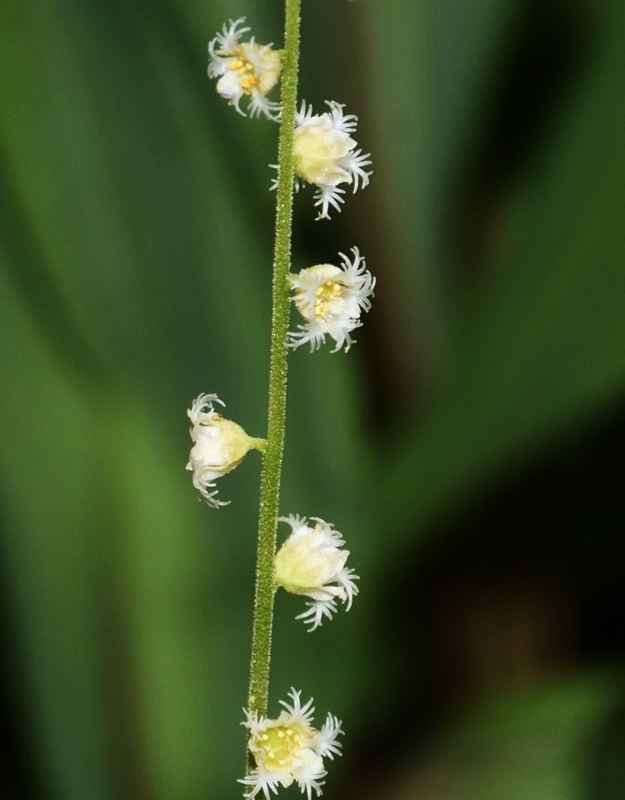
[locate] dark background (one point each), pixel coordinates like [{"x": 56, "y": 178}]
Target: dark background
[{"x": 469, "y": 446}]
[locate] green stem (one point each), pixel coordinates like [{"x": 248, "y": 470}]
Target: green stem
[{"x": 272, "y": 462}]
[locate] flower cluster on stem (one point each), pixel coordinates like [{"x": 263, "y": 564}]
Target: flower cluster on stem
[{"x": 319, "y": 149}]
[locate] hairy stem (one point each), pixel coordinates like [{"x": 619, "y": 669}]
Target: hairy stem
[{"x": 272, "y": 462}]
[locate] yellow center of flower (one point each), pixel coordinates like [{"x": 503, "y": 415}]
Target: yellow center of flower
[
  {"x": 247, "y": 73},
  {"x": 276, "y": 747},
  {"x": 324, "y": 295},
  {"x": 317, "y": 151}
]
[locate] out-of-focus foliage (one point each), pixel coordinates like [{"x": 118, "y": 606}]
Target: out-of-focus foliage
[
  {"x": 535, "y": 745},
  {"x": 136, "y": 235}
]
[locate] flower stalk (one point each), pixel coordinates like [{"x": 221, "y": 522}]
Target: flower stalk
[{"x": 272, "y": 461}]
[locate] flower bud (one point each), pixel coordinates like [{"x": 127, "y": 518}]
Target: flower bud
[
  {"x": 327, "y": 156},
  {"x": 219, "y": 445},
  {"x": 311, "y": 562}
]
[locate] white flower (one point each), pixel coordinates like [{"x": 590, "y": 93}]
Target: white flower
[
  {"x": 331, "y": 300},
  {"x": 244, "y": 69},
  {"x": 327, "y": 156},
  {"x": 289, "y": 750},
  {"x": 311, "y": 562},
  {"x": 219, "y": 445}
]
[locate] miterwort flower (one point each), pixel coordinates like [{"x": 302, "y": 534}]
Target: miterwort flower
[
  {"x": 289, "y": 749},
  {"x": 311, "y": 562},
  {"x": 327, "y": 156},
  {"x": 244, "y": 69},
  {"x": 219, "y": 445},
  {"x": 331, "y": 300}
]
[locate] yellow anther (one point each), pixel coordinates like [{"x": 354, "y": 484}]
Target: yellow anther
[
  {"x": 236, "y": 63},
  {"x": 247, "y": 84},
  {"x": 324, "y": 293},
  {"x": 322, "y": 308}
]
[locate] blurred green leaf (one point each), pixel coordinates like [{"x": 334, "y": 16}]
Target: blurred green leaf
[
  {"x": 429, "y": 63},
  {"x": 533, "y": 744},
  {"x": 51, "y": 520},
  {"x": 542, "y": 346}
]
